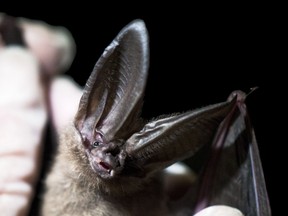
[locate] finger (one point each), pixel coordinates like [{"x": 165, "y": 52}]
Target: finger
[
  {"x": 54, "y": 46},
  {"x": 23, "y": 117},
  {"x": 64, "y": 99},
  {"x": 219, "y": 210}
]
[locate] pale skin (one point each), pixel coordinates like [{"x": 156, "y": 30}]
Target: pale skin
[
  {"x": 24, "y": 111},
  {"x": 23, "y": 107}
]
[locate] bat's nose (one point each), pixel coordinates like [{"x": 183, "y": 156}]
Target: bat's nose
[
  {"x": 107, "y": 155},
  {"x": 113, "y": 151}
]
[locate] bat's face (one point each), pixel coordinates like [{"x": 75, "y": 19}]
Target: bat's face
[{"x": 106, "y": 158}]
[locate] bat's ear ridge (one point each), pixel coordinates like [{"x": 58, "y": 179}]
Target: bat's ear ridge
[
  {"x": 113, "y": 94},
  {"x": 165, "y": 140},
  {"x": 135, "y": 32}
]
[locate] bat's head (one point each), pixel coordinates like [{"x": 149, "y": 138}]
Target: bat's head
[
  {"x": 116, "y": 141},
  {"x": 109, "y": 108}
]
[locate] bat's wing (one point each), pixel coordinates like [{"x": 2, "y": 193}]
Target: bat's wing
[{"x": 233, "y": 174}]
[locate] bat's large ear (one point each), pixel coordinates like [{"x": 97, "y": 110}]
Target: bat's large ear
[
  {"x": 113, "y": 94},
  {"x": 169, "y": 139}
]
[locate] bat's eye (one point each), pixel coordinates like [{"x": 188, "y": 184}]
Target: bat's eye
[{"x": 95, "y": 144}]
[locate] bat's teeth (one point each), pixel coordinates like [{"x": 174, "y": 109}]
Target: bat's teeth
[{"x": 112, "y": 172}]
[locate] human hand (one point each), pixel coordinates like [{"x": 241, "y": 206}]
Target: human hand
[{"x": 27, "y": 71}]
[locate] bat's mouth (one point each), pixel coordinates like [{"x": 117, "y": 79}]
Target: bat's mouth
[{"x": 105, "y": 164}]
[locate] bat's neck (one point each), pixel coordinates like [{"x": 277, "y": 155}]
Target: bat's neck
[{"x": 125, "y": 186}]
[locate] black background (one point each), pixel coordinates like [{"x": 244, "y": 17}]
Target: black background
[{"x": 198, "y": 55}]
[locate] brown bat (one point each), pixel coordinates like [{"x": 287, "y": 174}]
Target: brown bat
[{"x": 110, "y": 161}]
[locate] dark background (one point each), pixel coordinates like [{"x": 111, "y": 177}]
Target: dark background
[{"x": 198, "y": 55}]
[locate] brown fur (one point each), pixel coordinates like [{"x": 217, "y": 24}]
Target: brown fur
[{"x": 73, "y": 188}]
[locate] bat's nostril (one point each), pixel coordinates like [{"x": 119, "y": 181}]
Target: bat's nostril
[{"x": 114, "y": 152}]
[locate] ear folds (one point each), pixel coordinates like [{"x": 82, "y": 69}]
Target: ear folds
[
  {"x": 166, "y": 140},
  {"x": 112, "y": 97}
]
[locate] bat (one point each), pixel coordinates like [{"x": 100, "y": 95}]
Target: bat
[{"x": 110, "y": 161}]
